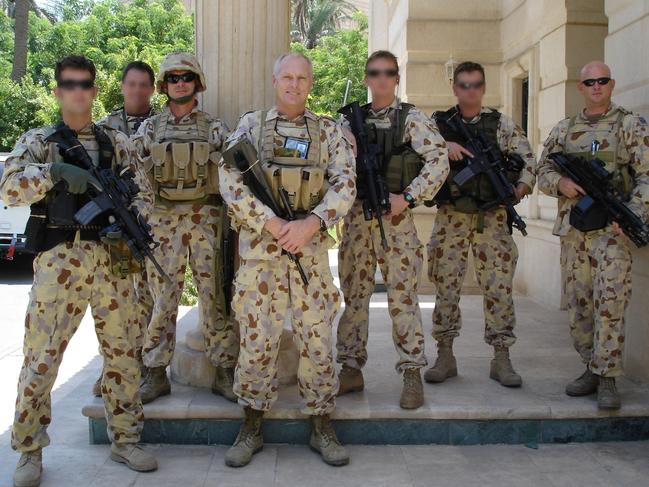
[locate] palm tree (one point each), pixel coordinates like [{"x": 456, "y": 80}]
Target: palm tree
[
  {"x": 21, "y": 31},
  {"x": 313, "y": 19}
]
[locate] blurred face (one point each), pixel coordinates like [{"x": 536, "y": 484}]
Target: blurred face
[
  {"x": 596, "y": 85},
  {"x": 469, "y": 88},
  {"x": 137, "y": 88},
  {"x": 75, "y": 91},
  {"x": 293, "y": 83},
  {"x": 180, "y": 84},
  {"x": 381, "y": 77}
]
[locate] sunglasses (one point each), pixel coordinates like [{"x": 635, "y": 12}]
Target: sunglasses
[
  {"x": 71, "y": 84},
  {"x": 600, "y": 81},
  {"x": 176, "y": 78},
  {"x": 467, "y": 85},
  {"x": 375, "y": 73}
]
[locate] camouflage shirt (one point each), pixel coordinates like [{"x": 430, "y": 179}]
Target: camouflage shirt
[
  {"x": 633, "y": 150},
  {"x": 422, "y": 135},
  {"x": 251, "y": 215},
  {"x": 27, "y": 180},
  {"x": 128, "y": 124}
]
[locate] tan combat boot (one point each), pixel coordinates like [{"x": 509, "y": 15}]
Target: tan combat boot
[
  {"x": 585, "y": 385},
  {"x": 502, "y": 369},
  {"x": 133, "y": 456},
  {"x": 607, "y": 395},
  {"x": 249, "y": 440},
  {"x": 29, "y": 469},
  {"x": 445, "y": 366},
  {"x": 223, "y": 383},
  {"x": 155, "y": 384},
  {"x": 96, "y": 387},
  {"x": 412, "y": 394},
  {"x": 325, "y": 442},
  {"x": 351, "y": 380}
]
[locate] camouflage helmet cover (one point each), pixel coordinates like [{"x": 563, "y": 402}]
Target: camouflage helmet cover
[{"x": 181, "y": 61}]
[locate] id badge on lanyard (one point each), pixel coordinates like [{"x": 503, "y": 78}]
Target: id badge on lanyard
[{"x": 299, "y": 146}]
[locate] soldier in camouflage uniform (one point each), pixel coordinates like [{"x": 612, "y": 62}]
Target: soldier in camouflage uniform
[
  {"x": 307, "y": 156},
  {"x": 138, "y": 85},
  {"x": 414, "y": 162},
  {"x": 461, "y": 224},
  {"x": 180, "y": 148},
  {"x": 598, "y": 280},
  {"x": 73, "y": 269}
]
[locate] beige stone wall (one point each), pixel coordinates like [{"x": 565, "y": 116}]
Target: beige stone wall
[{"x": 237, "y": 42}]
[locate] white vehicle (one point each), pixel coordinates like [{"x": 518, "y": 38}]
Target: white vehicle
[{"x": 12, "y": 226}]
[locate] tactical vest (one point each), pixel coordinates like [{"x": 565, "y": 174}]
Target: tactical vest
[
  {"x": 579, "y": 139},
  {"x": 52, "y": 219},
  {"x": 398, "y": 162},
  {"x": 303, "y": 179},
  {"x": 184, "y": 168},
  {"x": 472, "y": 195}
]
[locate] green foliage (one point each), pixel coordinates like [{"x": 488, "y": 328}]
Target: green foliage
[
  {"x": 110, "y": 32},
  {"x": 189, "y": 296},
  {"x": 337, "y": 58}
]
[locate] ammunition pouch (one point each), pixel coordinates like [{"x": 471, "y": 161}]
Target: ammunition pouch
[
  {"x": 402, "y": 168},
  {"x": 184, "y": 171},
  {"x": 588, "y": 215},
  {"x": 304, "y": 185}
]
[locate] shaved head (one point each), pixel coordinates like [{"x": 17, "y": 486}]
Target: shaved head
[{"x": 595, "y": 69}]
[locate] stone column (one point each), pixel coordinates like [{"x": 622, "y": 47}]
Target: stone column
[{"x": 237, "y": 42}]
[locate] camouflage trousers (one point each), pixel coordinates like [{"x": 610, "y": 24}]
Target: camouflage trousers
[
  {"x": 494, "y": 258},
  {"x": 360, "y": 251},
  {"x": 266, "y": 291},
  {"x": 67, "y": 279},
  {"x": 144, "y": 307},
  {"x": 598, "y": 290},
  {"x": 188, "y": 232}
]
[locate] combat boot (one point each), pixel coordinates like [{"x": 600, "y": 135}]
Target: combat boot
[
  {"x": 607, "y": 395},
  {"x": 96, "y": 387},
  {"x": 134, "y": 457},
  {"x": 445, "y": 366},
  {"x": 29, "y": 469},
  {"x": 412, "y": 394},
  {"x": 325, "y": 442},
  {"x": 351, "y": 380},
  {"x": 249, "y": 440},
  {"x": 155, "y": 384},
  {"x": 585, "y": 385},
  {"x": 502, "y": 369},
  {"x": 223, "y": 383}
]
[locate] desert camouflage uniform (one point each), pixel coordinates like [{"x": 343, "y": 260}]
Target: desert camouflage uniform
[
  {"x": 129, "y": 124},
  {"x": 494, "y": 254},
  {"x": 193, "y": 229},
  {"x": 361, "y": 249},
  {"x": 598, "y": 277},
  {"x": 67, "y": 278},
  {"x": 267, "y": 284}
]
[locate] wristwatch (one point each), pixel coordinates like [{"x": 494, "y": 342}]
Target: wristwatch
[{"x": 411, "y": 201}]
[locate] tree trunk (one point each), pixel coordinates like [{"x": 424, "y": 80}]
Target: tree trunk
[{"x": 21, "y": 28}]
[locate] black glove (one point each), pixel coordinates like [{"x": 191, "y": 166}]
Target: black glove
[{"x": 76, "y": 179}]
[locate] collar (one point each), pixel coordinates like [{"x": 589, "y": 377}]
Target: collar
[
  {"x": 476, "y": 119},
  {"x": 396, "y": 103},
  {"x": 146, "y": 114},
  {"x": 273, "y": 114},
  {"x": 611, "y": 109},
  {"x": 188, "y": 116}
]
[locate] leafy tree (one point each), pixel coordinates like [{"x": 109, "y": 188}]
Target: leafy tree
[
  {"x": 313, "y": 19},
  {"x": 335, "y": 60},
  {"x": 112, "y": 33}
]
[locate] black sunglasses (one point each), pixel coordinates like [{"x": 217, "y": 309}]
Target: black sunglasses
[
  {"x": 176, "y": 78},
  {"x": 375, "y": 73},
  {"x": 71, "y": 84},
  {"x": 600, "y": 81},
  {"x": 466, "y": 85}
]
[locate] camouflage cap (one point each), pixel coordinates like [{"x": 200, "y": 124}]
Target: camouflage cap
[{"x": 181, "y": 61}]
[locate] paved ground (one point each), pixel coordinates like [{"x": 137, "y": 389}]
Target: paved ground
[{"x": 71, "y": 461}]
